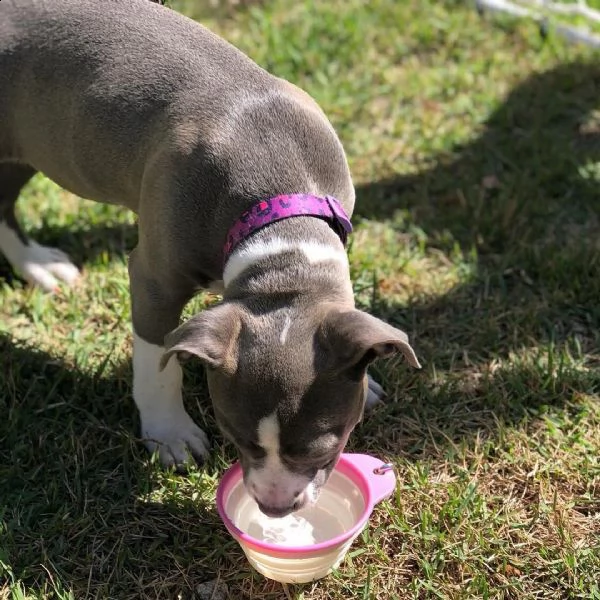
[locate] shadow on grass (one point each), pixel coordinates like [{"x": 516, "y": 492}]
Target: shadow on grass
[
  {"x": 79, "y": 497},
  {"x": 535, "y": 161},
  {"x": 524, "y": 195}
]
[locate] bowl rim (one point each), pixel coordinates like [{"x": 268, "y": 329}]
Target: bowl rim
[{"x": 345, "y": 466}]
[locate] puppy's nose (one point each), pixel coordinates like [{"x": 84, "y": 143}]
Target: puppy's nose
[{"x": 275, "y": 512}]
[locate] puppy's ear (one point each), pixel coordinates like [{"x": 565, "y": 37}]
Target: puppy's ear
[
  {"x": 353, "y": 339},
  {"x": 210, "y": 335}
]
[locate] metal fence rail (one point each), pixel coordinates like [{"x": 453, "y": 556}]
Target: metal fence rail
[{"x": 551, "y": 16}]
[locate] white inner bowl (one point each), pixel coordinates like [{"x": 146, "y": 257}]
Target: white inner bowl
[
  {"x": 338, "y": 509},
  {"x": 305, "y": 545}
]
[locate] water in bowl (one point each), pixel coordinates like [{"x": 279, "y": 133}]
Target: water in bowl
[{"x": 338, "y": 509}]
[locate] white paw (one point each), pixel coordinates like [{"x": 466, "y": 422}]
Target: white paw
[
  {"x": 177, "y": 439},
  {"x": 375, "y": 394},
  {"x": 47, "y": 267},
  {"x": 40, "y": 265}
]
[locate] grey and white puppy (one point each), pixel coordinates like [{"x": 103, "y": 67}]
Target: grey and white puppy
[{"x": 127, "y": 102}]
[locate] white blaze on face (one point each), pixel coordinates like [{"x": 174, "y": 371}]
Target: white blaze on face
[
  {"x": 286, "y": 328},
  {"x": 273, "y": 484}
]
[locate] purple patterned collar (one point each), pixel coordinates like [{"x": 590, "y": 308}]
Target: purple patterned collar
[{"x": 283, "y": 207}]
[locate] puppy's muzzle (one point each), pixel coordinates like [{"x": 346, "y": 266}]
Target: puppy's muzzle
[{"x": 277, "y": 512}]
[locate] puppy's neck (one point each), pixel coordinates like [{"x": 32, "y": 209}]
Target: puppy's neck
[{"x": 299, "y": 257}]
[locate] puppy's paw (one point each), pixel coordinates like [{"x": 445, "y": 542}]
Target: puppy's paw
[
  {"x": 375, "y": 394},
  {"x": 177, "y": 439},
  {"x": 44, "y": 266}
]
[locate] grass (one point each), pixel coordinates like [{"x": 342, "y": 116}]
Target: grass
[{"x": 475, "y": 148}]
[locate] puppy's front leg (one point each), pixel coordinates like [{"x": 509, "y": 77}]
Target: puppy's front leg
[{"x": 165, "y": 424}]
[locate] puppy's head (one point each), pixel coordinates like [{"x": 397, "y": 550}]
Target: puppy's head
[{"x": 288, "y": 387}]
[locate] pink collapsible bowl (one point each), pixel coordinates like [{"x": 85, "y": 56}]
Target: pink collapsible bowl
[{"x": 311, "y": 542}]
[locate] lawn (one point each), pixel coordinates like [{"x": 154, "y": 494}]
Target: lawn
[{"x": 475, "y": 150}]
